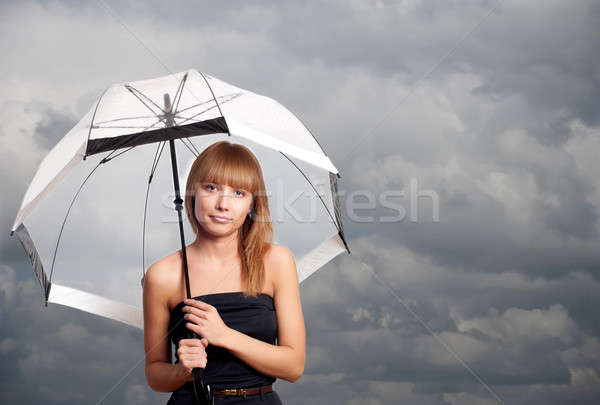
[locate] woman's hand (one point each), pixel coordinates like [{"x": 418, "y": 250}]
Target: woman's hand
[
  {"x": 204, "y": 319},
  {"x": 192, "y": 354}
]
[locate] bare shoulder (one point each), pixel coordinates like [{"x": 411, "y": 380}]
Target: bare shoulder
[
  {"x": 162, "y": 277},
  {"x": 281, "y": 265},
  {"x": 279, "y": 253},
  {"x": 160, "y": 270}
]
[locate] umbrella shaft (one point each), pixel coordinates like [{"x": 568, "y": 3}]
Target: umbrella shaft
[{"x": 178, "y": 201}]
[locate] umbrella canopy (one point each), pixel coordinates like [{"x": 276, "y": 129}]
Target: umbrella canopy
[{"x": 100, "y": 206}]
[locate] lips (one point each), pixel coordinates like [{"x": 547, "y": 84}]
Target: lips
[{"x": 220, "y": 218}]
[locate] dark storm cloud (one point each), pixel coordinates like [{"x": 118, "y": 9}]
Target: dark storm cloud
[
  {"x": 89, "y": 353},
  {"x": 433, "y": 292},
  {"x": 527, "y": 50},
  {"x": 49, "y": 126},
  {"x": 508, "y": 276},
  {"x": 476, "y": 233},
  {"x": 53, "y": 127}
]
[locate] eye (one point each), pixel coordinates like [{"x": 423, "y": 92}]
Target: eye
[
  {"x": 208, "y": 185},
  {"x": 241, "y": 193}
]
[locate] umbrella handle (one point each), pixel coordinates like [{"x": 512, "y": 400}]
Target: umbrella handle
[{"x": 202, "y": 392}]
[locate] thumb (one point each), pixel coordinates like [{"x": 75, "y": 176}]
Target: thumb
[{"x": 204, "y": 341}]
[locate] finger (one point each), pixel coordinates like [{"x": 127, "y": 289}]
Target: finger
[
  {"x": 186, "y": 342},
  {"x": 184, "y": 354},
  {"x": 194, "y": 361},
  {"x": 190, "y": 342},
  {"x": 196, "y": 349},
  {"x": 191, "y": 350},
  {"x": 193, "y": 343},
  {"x": 194, "y": 318},
  {"x": 199, "y": 361},
  {"x": 193, "y": 327},
  {"x": 197, "y": 343},
  {"x": 197, "y": 304},
  {"x": 190, "y": 357},
  {"x": 197, "y": 311}
]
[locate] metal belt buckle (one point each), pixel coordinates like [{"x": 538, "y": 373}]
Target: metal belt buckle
[{"x": 235, "y": 391}]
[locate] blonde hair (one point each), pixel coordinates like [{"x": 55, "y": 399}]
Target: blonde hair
[{"x": 235, "y": 165}]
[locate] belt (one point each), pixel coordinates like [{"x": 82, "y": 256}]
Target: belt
[
  {"x": 233, "y": 391},
  {"x": 243, "y": 391}
]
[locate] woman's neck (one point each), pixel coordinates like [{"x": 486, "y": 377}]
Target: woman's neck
[{"x": 215, "y": 249}]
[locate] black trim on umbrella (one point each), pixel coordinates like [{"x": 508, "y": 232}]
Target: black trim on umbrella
[
  {"x": 336, "y": 203},
  {"x": 215, "y": 98},
  {"x": 336, "y": 208},
  {"x": 34, "y": 257},
  {"x": 211, "y": 126},
  {"x": 94, "y": 116},
  {"x": 313, "y": 187}
]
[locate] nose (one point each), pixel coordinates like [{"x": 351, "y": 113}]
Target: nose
[{"x": 222, "y": 202}]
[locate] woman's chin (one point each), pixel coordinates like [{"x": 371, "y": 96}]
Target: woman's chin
[{"x": 219, "y": 229}]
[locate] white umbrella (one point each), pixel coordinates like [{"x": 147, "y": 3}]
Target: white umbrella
[{"x": 100, "y": 206}]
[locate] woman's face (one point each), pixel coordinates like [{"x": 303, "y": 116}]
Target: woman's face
[{"x": 221, "y": 209}]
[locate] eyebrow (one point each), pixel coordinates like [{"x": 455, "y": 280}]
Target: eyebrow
[{"x": 236, "y": 188}]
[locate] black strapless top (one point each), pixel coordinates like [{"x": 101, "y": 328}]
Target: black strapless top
[{"x": 253, "y": 316}]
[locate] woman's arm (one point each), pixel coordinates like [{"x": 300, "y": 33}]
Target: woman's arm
[
  {"x": 162, "y": 376},
  {"x": 285, "y": 360}
]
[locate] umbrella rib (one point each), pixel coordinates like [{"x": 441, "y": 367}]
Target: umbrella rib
[
  {"x": 313, "y": 187},
  {"x": 233, "y": 95},
  {"x": 214, "y": 98},
  {"x": 123, "y": 126},
  {"x": 67, "y": 215},
  {"x": 192, "y": 106},
  {"x": 190, "y": 149},
  {"x": 179, "y": 92},
  {"x": 154, "y": 166},
  {"x": 210, "y": 108},
  {"x": 193, "y": 146},
  {"x": 135, "y": 92},
  {"x": 127, "y": 118},
  {"x": 157, "y": 155},
  {"x": 104, "y": 160},
  {"x": 195, "y": 115},
  {"x": 161, "y": 145}
]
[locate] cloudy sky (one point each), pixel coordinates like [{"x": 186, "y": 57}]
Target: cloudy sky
[{"x": 484, "y": 113}]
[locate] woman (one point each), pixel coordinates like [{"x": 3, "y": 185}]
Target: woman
[{"x": 246, "y": 299}]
